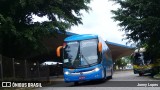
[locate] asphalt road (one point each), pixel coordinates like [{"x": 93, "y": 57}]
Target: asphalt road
[{"x": 122, "y": 80}]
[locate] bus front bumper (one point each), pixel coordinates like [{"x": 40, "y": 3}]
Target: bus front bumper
[{"x": 83, "y": 76}]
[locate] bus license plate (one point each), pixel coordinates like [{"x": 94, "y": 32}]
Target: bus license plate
[{"x": 81, "y": 77}]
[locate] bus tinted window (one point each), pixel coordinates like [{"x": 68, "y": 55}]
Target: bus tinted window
[
  {"x": 80, "y": 53},
  {"x": 70, "y": 52},
  {"x": 89, "y": 50}
]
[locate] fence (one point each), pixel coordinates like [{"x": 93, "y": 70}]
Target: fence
[{"x": 18, "y": 70}]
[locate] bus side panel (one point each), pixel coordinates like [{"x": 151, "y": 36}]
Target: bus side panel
[{"x": 106, "y": 58}]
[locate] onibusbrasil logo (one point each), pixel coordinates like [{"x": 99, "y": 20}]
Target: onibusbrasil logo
[{"x": 18, "y": 84}]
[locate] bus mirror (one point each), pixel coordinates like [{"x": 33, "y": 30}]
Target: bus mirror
[
  {"x": 59, "y": 51},
  {"x": 100, "y": 47}
]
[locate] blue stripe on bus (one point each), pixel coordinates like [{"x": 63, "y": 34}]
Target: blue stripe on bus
[{"x": 80, "y": 37}]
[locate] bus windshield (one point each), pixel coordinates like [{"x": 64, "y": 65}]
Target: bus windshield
[{"x": 79, "y": 54}]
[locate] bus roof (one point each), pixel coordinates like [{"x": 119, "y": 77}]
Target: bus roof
[{"x": 80, "y": 37}]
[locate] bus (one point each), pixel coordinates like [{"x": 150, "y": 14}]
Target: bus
[
  {"x": 142, "y": 62},
  {"x": 85, "y": 57}
]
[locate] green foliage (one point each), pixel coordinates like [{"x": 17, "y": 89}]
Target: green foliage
[
  {"x": 19, "y": 35},
  {"x": 121, "y": 62},
  {"x": 128, "y": 59},
  {"x": 140, "y": 19}
]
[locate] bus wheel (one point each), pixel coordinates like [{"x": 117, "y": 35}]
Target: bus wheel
[
  {"x": 110, "y": 77},
  {"x": 104, "y": 78},
  {"x": 140, "y": 74},
  {"x": 76, "y": 83}
]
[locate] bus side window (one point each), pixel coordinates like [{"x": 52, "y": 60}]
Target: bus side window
[
  {"x": 107, "y": 55},
  {"x": 110, "y": 55}
]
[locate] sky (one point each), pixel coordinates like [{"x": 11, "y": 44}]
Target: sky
[{"x": 98, "y": 21}]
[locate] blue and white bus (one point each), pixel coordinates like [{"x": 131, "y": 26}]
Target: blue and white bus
[{"x": 85, "y": 57}]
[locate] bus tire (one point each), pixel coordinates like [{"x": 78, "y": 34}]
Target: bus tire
[
  {"x": 104, "y": 78},
  {"x": 76, "y": 83},
  {"x": 110, "y": 77}
]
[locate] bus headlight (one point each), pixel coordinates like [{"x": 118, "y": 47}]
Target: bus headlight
[
  {"x": 97, "y": 69},
  {"x": 66, "y": 72}
]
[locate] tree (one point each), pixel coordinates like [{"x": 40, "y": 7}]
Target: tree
[
  {"x": 121, "y": 63},
  {"x": 20, "y": 35},
  {"x": 140, "y": 19},
  {"x": 128, "y": 59}
]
